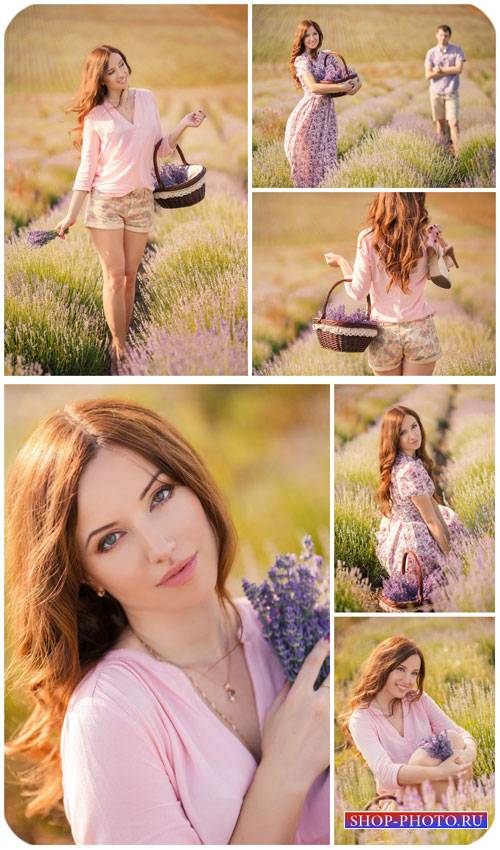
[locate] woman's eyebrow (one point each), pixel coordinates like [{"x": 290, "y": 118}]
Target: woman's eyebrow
[
  {"x": 97, "y": 530},
  {"x": 151, "y": 481}
]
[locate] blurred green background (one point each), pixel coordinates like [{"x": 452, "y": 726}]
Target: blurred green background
[{"x": 266, "y": 446}]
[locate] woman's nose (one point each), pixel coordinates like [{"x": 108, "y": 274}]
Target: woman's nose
[{"x": 159, "y": 544}]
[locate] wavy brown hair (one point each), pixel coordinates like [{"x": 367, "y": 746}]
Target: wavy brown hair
[
  {"x": 374, "y": 674},
  {"x": 93, "y": 89},
  {"x": 60, "y": 626},
  {"x": 398, "y": 223},
  {"x": 298, "y": 46},
  {"x": 390, "y": 432}
]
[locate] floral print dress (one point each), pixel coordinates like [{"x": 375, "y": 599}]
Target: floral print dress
[
  {"x": 311, "y": 129},
  {"x": 405, "y": 530}
]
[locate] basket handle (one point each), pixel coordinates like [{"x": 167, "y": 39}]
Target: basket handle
[
  {"x": 155, "y": 159},
  {"x": 420, "y": 578},
  {"x": 327, "y": 299},
  {"x": 339, "y": 56}
]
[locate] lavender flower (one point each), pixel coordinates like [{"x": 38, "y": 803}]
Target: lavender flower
[
  {"x": 39, "y": 238},
  {"x": 288, "y": 606},
  {"x": 338, "y": 314},
  {"x": 404, "y": 588},
  {"x": 171, "y": 174},
  {"x": 438, "y": 746}
]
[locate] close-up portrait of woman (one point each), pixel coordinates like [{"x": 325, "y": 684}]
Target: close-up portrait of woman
[
  {"x": 409, "y": 736},
  {"x": 161, "y": 704},
  {"x": 414, "y": 503},
  {"x": 126, "y": 204}
]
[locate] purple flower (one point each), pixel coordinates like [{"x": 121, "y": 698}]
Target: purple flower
[
  {"x": 438, "y": 746},
  {"x": 404, "y": 588},
  {"x": 38, "y": 238},
  {"x": 288, "y": 605},
  {"x": 338, "y": 314},
  {"x": 171, "y": 174}
]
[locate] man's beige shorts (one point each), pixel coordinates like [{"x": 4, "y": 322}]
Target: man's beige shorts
[
  {"x": 444, "y": 107},
  {"x": 133, "y": 211}
]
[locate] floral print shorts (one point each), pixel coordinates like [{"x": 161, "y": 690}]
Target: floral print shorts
[
  {"x": 130, "y": 212},
  {"x": 397, "y": 341}
]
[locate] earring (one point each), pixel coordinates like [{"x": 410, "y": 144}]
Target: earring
[{"x": 101, "y": 593}]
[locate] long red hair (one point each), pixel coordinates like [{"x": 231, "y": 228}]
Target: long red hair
[
  {"x": 298, "y": 46},
  {"x": 397, "y": 223},
  {"x": 93, "y": 89},
  {"x": 390, "y": 432},
  {"x": 374, "y": 674},
  {"x": 60, "y": 627}
]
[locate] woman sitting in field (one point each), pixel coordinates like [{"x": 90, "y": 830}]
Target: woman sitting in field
[
  {"x": 413, "y": 520},
  {"x": 311, "y": 129},
  {"x": 396, "y": 254},
  {"x": 160, "y": 713},
  {"x": 405, "y": 738},
  {"x": 118, "y": 128}
]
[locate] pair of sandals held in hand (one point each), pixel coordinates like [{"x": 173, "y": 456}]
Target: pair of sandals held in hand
[{"x": 441, "y": 259}]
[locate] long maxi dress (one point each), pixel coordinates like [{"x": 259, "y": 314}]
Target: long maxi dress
[{"x": 311, "y": 129}]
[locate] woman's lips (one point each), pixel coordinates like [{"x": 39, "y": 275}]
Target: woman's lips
[{"x": 180, "y": 573}]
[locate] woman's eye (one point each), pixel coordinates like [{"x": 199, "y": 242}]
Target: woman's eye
[
  {"x": 162, "y": 495},
  {"x": 107, "y": 543}
]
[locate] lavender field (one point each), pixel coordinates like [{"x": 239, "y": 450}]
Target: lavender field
[
  {"x": 459, "y": 423},
  {"x": 386, "y": 136},
  {"x": 291, "y": 234},
  {"x": 191, "y": 307},
  {"x": 459, "y": 659}
]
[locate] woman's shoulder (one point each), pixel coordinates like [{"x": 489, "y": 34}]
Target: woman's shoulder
[
  {"x": 364, "y": 236},
  {"x": 302, "y": 60},
  {"x": 361, "y": 717}
]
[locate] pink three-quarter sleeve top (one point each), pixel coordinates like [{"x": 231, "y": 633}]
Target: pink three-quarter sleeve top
[
  {"x": 117, "y": 154},
  {"x": 384, "y": 749},
  {"x": 370, "y": 278},
  {"x": 145, "y": 761}
]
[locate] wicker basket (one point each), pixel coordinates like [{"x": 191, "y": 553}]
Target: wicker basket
[
  {"x": 344, "y": 335},
  {"x": 185, "y": 194},
  {"x": 418, "y": 604}
]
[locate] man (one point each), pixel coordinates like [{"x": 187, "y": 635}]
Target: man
[{"x": 443, "y": 66}]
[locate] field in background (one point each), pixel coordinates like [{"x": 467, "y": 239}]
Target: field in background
[
  {"x": 460, "y": 676},
  {"x": 291, "y": 234},
  {"x": 44, "y": 51},
  {"x": 459, "y": 424},
  {"x": 272, "y": 512},
  {"x": 386, "y": 136}
]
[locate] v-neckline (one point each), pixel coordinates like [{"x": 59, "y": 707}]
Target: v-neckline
[
  {"x": 132, "y": 122},
  {"x": 392, "y": 724}
]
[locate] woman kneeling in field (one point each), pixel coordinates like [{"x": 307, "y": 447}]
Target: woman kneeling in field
[
  {"x": 118, "y": 128},
  {"x": 403, "y": 735}
]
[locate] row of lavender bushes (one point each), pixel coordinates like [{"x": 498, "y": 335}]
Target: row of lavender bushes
[
  {"x": 190, "y": 315},
  {"x": 460, "y": 677},
  {"x": 468, "y": 486}
]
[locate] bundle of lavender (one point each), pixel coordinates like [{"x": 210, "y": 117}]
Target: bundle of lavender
[
  {"x": 39, "y": 238},
  {"x": 171, "y": 174},
  {"x": 404, "y": 588},
  {"x": 290, "y": 604},
  {"x": 338, "y": 314},
  {"x": 438, "y": 746}
]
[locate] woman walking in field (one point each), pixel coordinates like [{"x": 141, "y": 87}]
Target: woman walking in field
[
  {"x": 160, "y": 713},
  {"x": 403, "y": 735},
  {"x": 413, "y": 520},
  {"x": 117, "y": 130},
  {"x": 396, "y": 254},
  {"x": 311, "y": 129}
]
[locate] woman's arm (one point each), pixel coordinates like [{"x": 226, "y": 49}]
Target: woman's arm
[
  {"x": 428, "y": 511},
  {"x": 338, "y": 261},
  {"x": 413, "y": 774},
  {"x": 77, "y": 199},
  {"x": 295, "y": 750},
  {"x": 192, "y": 119},
  {"x": 360, "y": 285}
]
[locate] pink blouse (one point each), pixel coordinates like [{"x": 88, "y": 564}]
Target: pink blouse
[
  {"x": 370, "y": 278},
  {"x": 145, "y": 761},
  {"x": 384, "y": 749},
  {"x": 117, "y": 154}
]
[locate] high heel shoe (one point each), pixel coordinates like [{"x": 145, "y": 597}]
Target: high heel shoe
[{"x": 441, "y": 260}]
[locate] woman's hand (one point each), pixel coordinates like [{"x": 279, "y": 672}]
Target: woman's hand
[
  {"x": 64, "y": 225},
  {"x": 333, "y": 260},
  {"x": 297, "y": 726},
  {"x": 194, "y": 119},
  {"x": 454, "y": 766},
  {"x": 356, "y": 87}
]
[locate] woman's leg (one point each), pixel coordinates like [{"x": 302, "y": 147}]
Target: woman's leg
[
  {"x": 134, "y": 244},
  {"x": 397, "y": 371},
  {"x": 412, "y": 368},
  {"x": 109, "y": 247}
]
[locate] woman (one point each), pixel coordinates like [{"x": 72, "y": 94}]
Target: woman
[
  {"x": 160, "y": 712},
  {"x": 396, "y": 254},
  {"x": 413, "y": 520},
  {"x": 311, "y": 129},
  {"x": 391, "y": 717},
  {"x": 117, "y": 131}
]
